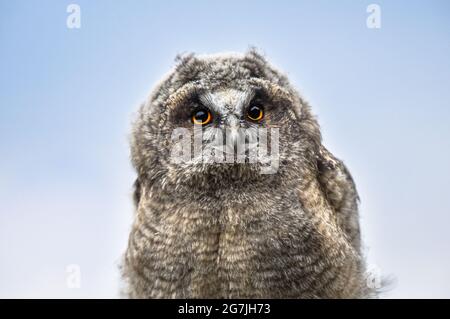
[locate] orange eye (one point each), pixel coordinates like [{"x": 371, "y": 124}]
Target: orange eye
[
  {"x": 201, "y": 117},
  {"x": 255, "y": 113}
]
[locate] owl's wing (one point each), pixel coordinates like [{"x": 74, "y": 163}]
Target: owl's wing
[
  {"x": 136, "y": 192},
  {"x": 339, "y": 188}
]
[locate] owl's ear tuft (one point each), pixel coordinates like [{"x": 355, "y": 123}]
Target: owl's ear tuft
[
  {"x": 184, "y": 58},
  {"x": 261, "y": 67},
  {"x": 255, "y": 63},
  {"x": 255, "y": 54},
  {"x": 187, "y": 66}
]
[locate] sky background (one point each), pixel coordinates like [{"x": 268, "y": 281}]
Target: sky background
[{"x": 67, "y": 96}]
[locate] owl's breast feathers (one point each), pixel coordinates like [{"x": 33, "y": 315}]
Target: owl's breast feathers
[{"x": 265, "y": 243}]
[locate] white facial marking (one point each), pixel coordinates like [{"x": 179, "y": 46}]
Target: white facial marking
[{"x": 227, "y": 101}]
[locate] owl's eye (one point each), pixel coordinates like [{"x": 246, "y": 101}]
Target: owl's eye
[
  {"x": 201, "y": 117},
  {"x": 255, "y": 113}
]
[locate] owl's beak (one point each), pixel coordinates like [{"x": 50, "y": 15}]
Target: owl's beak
[{"x": 233, "y": 132}]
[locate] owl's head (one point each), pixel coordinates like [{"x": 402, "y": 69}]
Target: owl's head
[{"x": 222, "y": 120}]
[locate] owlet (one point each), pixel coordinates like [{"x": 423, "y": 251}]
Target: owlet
[{"x": 235, "y": 196}]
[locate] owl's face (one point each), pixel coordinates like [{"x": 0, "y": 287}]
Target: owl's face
[{"x": 221, "y": 120}]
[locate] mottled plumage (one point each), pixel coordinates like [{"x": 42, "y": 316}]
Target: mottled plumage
[{"x": 225, "y": 230}]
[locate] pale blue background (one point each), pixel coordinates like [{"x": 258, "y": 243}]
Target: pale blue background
[{"x": 67, "y": 97}]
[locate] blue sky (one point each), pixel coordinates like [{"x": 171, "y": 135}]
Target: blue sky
[{"x": 67, "y": 97}]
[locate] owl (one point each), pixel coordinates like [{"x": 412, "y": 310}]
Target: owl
[{"x": 219, "y": 223}]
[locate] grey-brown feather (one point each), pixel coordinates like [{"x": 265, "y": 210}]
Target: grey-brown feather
[{"x": 205, "y": 231}]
